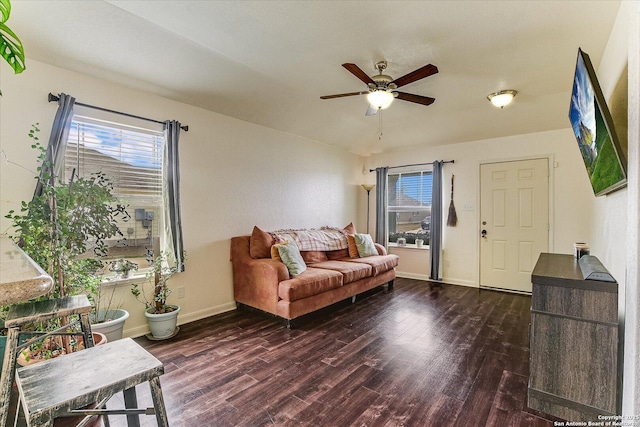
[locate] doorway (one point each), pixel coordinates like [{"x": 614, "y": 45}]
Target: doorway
[{"x": 514, "y": 222}]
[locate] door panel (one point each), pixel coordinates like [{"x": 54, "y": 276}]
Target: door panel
[{"x": 514, "y": 215}]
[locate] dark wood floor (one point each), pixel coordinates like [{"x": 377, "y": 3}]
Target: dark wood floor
[{"x": 415, "y": 356}]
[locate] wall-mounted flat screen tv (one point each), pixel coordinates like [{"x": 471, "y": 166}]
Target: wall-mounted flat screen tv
[{"x": 593, "y": 127}]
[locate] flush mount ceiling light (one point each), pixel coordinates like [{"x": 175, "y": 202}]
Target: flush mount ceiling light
[
  {"x": 502, "y": 98},
  {"x": 380, "y": 98}
]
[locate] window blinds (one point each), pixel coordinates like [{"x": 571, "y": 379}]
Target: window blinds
[
  {"x": 410, "y": 191},
  {"x": 130, "y": 157}
]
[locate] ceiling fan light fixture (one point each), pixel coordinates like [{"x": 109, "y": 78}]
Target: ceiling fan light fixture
[
  {"x": 502, "y": 98},
  {"x": 380, "y": 98}
]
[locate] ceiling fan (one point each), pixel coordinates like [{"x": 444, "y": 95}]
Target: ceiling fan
[{"x": 382, "y": 88}]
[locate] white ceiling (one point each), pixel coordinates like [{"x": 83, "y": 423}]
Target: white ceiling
[{"x": 268, "y": 62}]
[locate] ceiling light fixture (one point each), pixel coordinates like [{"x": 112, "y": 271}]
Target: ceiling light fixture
[
  {"x": 502, "y": 98},
  {"x": 380, "y": 98}
]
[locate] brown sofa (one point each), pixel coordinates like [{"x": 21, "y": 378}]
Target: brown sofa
[{"x": 331, "y": 276}]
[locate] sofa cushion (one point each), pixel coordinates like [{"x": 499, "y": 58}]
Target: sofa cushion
[
  {"x": 339, "y": 254},
  {"x": 291, "y": 257},
  {"x": 312, "y": 282},
  {"x": 350, "y": 271},
  {"x": 365, "y": 245},
  {"x": 260, "y": 244},
  {"x": 379, "y": 263},
  {"x": 312, "y": 257}
]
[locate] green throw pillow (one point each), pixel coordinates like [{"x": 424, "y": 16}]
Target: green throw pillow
[
  {"x": 365, "y": 245},
  {"x": 291, "y": 257}
]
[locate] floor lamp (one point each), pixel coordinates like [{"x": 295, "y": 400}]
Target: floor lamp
[{"x": 368, "y": 187}]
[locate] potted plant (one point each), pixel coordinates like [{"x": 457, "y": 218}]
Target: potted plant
[
  {"x": 107, "y": 317},
  {"x": 161, "y": 317},
  {"x": 123, "y": 267},
  {"x": 65, "y": 227}
]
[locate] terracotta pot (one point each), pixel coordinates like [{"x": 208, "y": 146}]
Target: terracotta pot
[{"x": 98, "y": 339}]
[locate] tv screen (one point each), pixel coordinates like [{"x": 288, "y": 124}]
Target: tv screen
[{"x": 593, "y": 128}]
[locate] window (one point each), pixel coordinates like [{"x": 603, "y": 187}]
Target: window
[
  {"x": 409, "y": 206},
  {"x": 131, "y": 158}
]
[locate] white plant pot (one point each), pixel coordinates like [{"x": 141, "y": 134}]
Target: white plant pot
[
  {"x": 162, "y": 325},
  {"x": 111, "y": 328}
]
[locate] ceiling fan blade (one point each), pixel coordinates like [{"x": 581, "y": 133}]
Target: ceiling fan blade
[
  {"x": 418, "y": 74},
  {"x": 371, "y": 111},
  {"x": 342, "y": 95},
  {"x": 418, "y": 99},
  {"x": 356, "y": 71}
]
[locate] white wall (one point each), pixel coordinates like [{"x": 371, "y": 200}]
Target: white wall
[
  {"x": 617, "y": 215},
  {"x": 414, "y": 263},
  {"x": 234, "y": 175},
  {"x": 571, "y": 193},
  {"x": 631, "y": 385},
  {"x": 609, "y": 213}
]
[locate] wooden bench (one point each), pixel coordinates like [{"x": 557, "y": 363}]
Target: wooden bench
[{"x": 59, "y": 387}]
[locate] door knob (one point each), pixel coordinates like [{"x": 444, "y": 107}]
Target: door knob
[{"x": 484, "y": 234}]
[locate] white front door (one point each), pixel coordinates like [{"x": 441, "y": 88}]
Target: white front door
[{"x": 514, "y": 222}]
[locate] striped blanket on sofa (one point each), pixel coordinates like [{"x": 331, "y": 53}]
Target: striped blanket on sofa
[{"x": 324, "y": 239}]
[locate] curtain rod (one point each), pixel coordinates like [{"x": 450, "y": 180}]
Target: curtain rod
[
  {"x": 415, "y": 164},
  {"x": 53, "y": 97}
]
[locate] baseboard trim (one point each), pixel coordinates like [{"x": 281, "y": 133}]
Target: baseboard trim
[
  {"x": 412, "y": 276},
  {"x": 513, "y": 291},
  {"x": 182, "y": 319},
  {"x": 426, "y": 278},
  {"x": 461, "y": 283}
]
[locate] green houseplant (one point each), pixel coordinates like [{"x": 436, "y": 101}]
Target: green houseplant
[
  {"x": 123, "y": 267},
  {"x": 10, "y": 45},
  {"x": 161, "y": 317},
  {"x": 12, "y": 51},
  {"x": 65, "y": 229}
]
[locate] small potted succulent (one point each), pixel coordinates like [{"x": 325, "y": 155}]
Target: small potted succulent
[{"x": 123, "y": 267}]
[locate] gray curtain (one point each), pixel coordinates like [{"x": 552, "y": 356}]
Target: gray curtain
[
  {"x": 171, "y": 168},
  {"x": 57, "y": 140},
  {"x": 435, "y": 241},
  {"x": 381, "y": 205}
]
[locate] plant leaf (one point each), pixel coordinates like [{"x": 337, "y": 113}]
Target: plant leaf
[
  {"x": 11, "y": 48},
  {"x": 5, "y": 10}
]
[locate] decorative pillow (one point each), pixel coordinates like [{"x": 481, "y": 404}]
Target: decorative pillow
[
  {"x": 260, "y": 244},
  {"x": 292, "y": 259},
  {"x": 275, "y": 255},
  {"x": 353, "y": 249},
  {"x": 350, "y": 229},
  {"x": 365, "y": 245}
]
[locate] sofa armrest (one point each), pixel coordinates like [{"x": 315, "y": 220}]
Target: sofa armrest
[
  {"x": 381, "y": 249},
  {"x": 255, "y": 281}
]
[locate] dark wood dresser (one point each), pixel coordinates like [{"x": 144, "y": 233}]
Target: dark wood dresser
[{"x": 574, "y": 359}]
